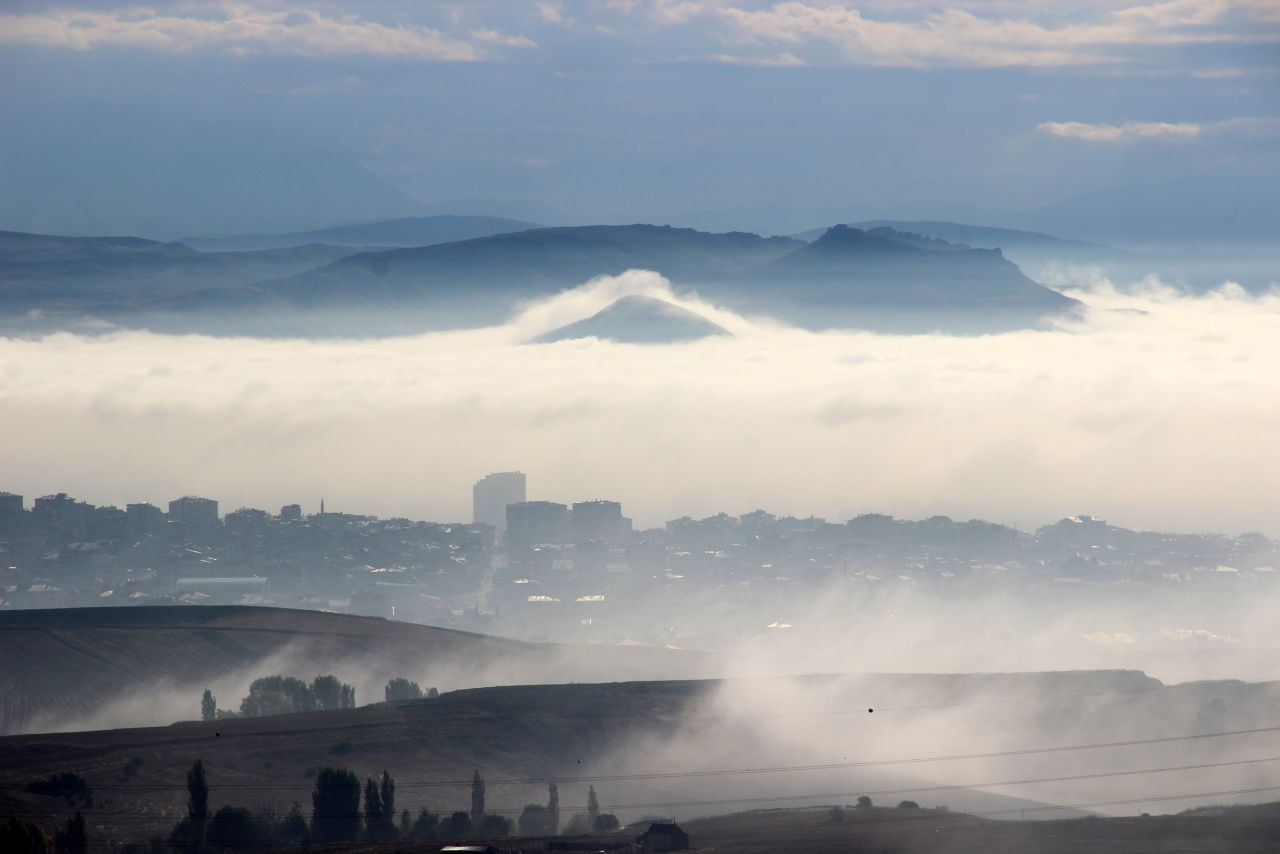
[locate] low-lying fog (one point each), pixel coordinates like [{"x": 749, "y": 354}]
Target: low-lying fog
[{"x": 1156, "y": 410}]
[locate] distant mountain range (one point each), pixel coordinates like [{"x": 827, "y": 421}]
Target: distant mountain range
[
  {"x": 638, "y": 320},
  {"x": 40, "y": 271},
  {"x": 405, "y": 231},
  {"x": 530, "y": 263},
  {"x": 846, "y": 277}
]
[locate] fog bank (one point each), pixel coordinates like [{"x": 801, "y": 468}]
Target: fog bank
[{"x": 1155, "y": 410}]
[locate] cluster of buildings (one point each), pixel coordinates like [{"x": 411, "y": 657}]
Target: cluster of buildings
[{"x": 545, "y": 570}]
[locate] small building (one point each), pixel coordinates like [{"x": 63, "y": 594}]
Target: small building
[{"x": 663, "y": 836}]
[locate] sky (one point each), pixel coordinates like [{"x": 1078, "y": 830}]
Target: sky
[
  {"x": 169, "y": 119},
  {"x": 1157, "y": 410}
]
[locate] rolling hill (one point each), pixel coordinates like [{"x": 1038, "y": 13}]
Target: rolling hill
[
  {"x": 50, "y": 272},
  {"x": 656, "y": 747},
  {"x": 529, "y": 264},
  {"x": 847, "y": 277},
  {"x": 104, "y": 666}
]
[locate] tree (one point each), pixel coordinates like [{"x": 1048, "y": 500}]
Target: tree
[
  {"x": 69, "y": 786},
  {"x": 292, "y": 830},
  {"x": 188, "y": 835},
  {"x": 72, "y": 839},
  {"x": 372, "y": 810},
  {"x": 234, "y": 827},
  {"x": 22, "y": 837},
  {"x": 335, "y": 806},
  {"x": 402, "y": 689},
  {"x": 455, "y": 826},
  {"x": 579, "y": 824},
  {"x": 606, "y": 822},
  {"x": 208, "y": 706},
  {"x": 593, "y": 805},
  {"x": 864, "y": 803},
  {"x": 477, "y": 795},
  {"x": 406, "y": 824},
  {"x": 494, "y": 826},
  {"x": 908, "y": 805},
  {"x": 277, "y": 695},
  {"x": 553, "y": 807},
  {"x": 327, "y": 692},
  {"x": 388, "y": 794},
  {"x": 425, "y": 825},
  {"x": 535, "y": 820}
]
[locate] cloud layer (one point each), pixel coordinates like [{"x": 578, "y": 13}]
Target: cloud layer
[
  {"x": 246, "y": 28},
  {"x": 976, "y": 33},
  {"x": 1158, "y": 411}
]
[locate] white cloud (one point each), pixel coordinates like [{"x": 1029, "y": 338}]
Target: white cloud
[
  {"x": 551, "y": 12},
  {"x": 1017, "y": 427},
  {"x": 781, "y": 60},
  {"x": 1132, "y": 131},
  {"x": 1120, "y": 133},
  {"x": 985, "y": 34},
  {"x": 242, "y": 28},
  {"x": 496, "y": 37}
]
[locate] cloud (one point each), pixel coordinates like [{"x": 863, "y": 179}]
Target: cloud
[
  {"x": 1018, "y": 427},
  {"x": 495, "y": 37},
  {"x": 780, "y": 60},
  {"x": 1126, "y": 132},
  {"x": 243, "y": 28},
  {"x": 969, "y": 34},
  {"x": 1132, "y": 131}
]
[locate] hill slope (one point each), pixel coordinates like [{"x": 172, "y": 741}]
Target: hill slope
[
  {"x": 529, "y": 263},
  {"x": 55, "y": 272},
  {"x": 105, "y": 666},
  {"x": 886, "y": 271},
  {"x": 640, "y": 740}
]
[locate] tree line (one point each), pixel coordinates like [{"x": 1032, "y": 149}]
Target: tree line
[
  {"x": 283, "y": 695},
  {"x": 342, "y": 810}
]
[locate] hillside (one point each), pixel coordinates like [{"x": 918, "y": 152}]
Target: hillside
[
  {"x": 656, "y": 747},
  {"x": 630, "y": 734},
  {"x": 405, "y": 231},
  {"x": 529, "y": 263},
  {"x": 847, "y": 277},
  {"x": 859, "y": 273},
  {"x": 56, "y": 273},
  {"x": 1243, "y": 830},
  {"x": 90, "y": 666},
  {"x": 637, "y": 320}
]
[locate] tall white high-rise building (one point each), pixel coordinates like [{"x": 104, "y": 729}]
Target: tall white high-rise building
[{"x": 491, "y": 495}]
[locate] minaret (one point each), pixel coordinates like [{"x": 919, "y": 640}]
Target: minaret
[{"x": 321, "y": 505}]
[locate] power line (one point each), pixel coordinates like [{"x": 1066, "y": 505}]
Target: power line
[
  {"x": 870, "y": 792},
  {"x": 668, "y": 775}
]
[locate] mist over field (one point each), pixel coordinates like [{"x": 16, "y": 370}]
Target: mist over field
[{"x": 1154, "y": 409}]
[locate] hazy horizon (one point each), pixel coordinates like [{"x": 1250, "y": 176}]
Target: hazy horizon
[{"x": 1021, "y": 427}]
